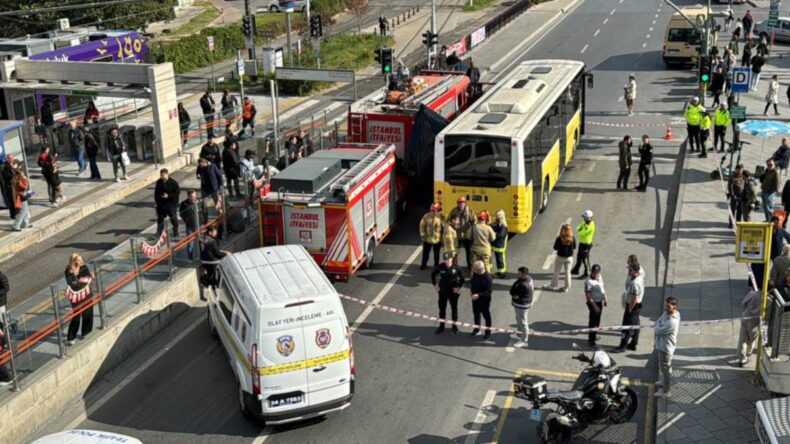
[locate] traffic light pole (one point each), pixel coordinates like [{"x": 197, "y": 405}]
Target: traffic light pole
[
  {"x": 251, "y": 37},
  {"x": 432, "y": 47}
]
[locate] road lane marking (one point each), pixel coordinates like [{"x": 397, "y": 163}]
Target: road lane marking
[
  {"x": 605, "y": 20},
  {"x": 134, "y": 374},
  {"x": 621, "y": 2},
  {"x": 707, "y": 395},
  {"x": 654, "y": 22},
  {"x": 651, "y": 29},
  {"x": 656, "y": 16},
  {"x": 474, "y": 432},
  {"x": 585, "y": 48},
  {"x": 644, "y": 45},
  {"x": 568, "y": 221},
  {"x": 504, "y": 412},
  {"x": 613, "y": 10},
  {"x": 620, "y": 99},
  {"x": 383, "y": 292},
  {"x": 510, "y": 349},
  {"x": 648, "y": 36},
  {"x": 592, "y": 167},
  {"x": 549, "y": 261},
  {"x": 260, "y": 439},
  {"x": 596, "y": 32},
  {"x": 579, "y": 196}
]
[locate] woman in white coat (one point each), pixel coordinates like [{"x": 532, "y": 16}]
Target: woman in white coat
[{"x": 772, "y": 96}]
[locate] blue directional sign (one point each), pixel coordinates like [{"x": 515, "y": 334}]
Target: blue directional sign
[{"x": 740, "y": 79}]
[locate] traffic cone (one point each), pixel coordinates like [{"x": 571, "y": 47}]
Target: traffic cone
[{"x": 668, "y": 135}]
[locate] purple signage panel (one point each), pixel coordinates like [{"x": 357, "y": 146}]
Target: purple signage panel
[{"x": 130, "y": 48}]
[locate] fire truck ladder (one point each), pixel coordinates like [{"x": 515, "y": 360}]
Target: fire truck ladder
[
  {"x": 430, "y": 93},
  {"x": 361, "y": 169},
  {"x": 355, "y": 127}
]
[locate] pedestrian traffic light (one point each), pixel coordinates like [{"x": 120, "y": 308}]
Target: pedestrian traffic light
[
  {"x": 428, "y": 38},
  {"x": 316, "y": 30},
  {"x": 246, "y": 25},
  {"x": 704, "y": 69},
  {"x": 386, "y": 60},
  {"x": 434, "y": 39}
]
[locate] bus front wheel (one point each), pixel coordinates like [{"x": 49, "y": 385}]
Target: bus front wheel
[{"x": 544, "y": 199}]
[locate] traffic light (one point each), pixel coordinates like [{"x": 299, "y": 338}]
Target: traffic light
[
  {"x": 434, "y": 39},
  {"x": 429, "y": 38},
  {"x": 386, "y": 60},
  {"x": 704, "y": 69},
  {"x": 246, "y": 25},
  {"x": 316, "y": 30}
]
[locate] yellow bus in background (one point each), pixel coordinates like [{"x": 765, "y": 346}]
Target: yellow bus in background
[{"x": 508, "y": 150}]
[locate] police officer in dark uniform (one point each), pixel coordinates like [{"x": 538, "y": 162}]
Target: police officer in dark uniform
[{"x": 451, "y": 279}]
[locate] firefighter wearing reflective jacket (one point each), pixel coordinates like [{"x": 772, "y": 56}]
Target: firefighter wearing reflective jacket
[
  {"x": 499, "y": 247},
  {"x": 482, "y": 235},
  {"x": 450, "y": 238},
  {"x": 466, "y": 218},
  {"x": 431, "y": 235}
]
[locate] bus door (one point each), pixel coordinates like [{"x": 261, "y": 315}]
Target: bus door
[
  {"x": 559, "y": 122},
  {"x": 532, "y": 170}
]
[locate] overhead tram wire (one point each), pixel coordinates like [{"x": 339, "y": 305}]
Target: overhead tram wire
[{"x": 23, "y": 12}]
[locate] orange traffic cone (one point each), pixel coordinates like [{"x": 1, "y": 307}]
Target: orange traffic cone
[{"x": 668, "y": 135}]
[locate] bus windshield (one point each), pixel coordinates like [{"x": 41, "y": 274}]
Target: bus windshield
[{"x": 478, "y": 161}]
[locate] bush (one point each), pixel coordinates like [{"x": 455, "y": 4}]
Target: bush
[{"x": 191, "y": 52}]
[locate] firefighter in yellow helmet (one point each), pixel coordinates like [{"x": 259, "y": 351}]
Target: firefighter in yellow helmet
[
  {"x": 482, "y": 236},
  {"x": 431, "y": 235},
  {"x": 466, "y": 218},
  {"x": 450, "y": 237}
]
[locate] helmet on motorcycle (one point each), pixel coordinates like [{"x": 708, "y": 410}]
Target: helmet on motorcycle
[{"x": 601, "y": 359}]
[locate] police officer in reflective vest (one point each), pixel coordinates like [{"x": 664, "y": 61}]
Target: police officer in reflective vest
[
  {"x": 499, "y": 247},
  {"x": 466, "y": 218},
  {"x": 586, "y": 230},
  {"x": 721, "y": 120},
  {"x": 431, "y": 235},
  {"x": 704, "y": 132},
  {"x": 482, "y": 235},
  {"x": 248, "y": 116},
  {"x": 693, "y": 117},
  {"x": 451, "y": 279}
]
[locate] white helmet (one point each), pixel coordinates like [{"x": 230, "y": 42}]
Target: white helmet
[
  {"x": 587, "y": 214},
  {"x": 601, "y": 360}
]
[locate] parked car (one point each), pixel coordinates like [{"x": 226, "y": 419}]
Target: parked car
[
  {"x": 279, "y": 6},
  {"x": 781, "y": 30}
]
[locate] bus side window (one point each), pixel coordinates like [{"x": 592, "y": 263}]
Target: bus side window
[{"x": 225, "y": 302}]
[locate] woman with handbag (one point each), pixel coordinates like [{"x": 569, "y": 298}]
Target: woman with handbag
[
  {"x": 116, "y": 151},
  {"x": 78, "y": 292},
  {"x": 482, "y": 286},
  {"x": 20, "y": 184}
]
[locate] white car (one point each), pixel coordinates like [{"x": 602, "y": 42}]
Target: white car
[
  {"x": 781, "y": 30},
  {"x": 279, "y": 6}
]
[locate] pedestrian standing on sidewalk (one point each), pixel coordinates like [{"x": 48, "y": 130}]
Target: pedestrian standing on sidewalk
[
  {"x": 781, "y": 264},
  {"x": 210, "y": 256},
  {"x": 730, "y": 16},
  {"x": 228, "y": 110},
  {"x": 586, "y": 231},
  {"x": 693, "y": 114},
  {"x": 666, "y": 339},
  {"x": 230, "y": 163},
  {"x": 474, "y": 77},
  {"x": 116, "y": 151},
  {"x": 166, "y": 195},
  {"x": 482, "y": 236},
  {"x": 632, "y": 305},
  {"x": 521, "y": 295},
  {"x": 499, "y": 245},
  {"x": 788, "y": 92},
  {"x": 91, "y": 114},
  {"x": 625, "y": 161},
  {"x": 733, "y": 47},
  {"x": 735, "y": 188},
  {"x": 4, "y": 289},
  {"x": 210, "y": 152},
  {"x": 7, "y": 186},
  {"x": 248, "y": 113},
  {"x": 717, "y": 85},
  {"x": 450, "y": 237},
  {"x": 746, "y": 57},
  {"x": 645, "y": 161},
  {"x": 704, "y": 133},
  {"x": 747, "y": 21},
  {"x": 762, "y": 46},
  {"x": 382, "y": 25},
  {"x": 431, "y": 235},
  {"x": 210, "y": 180},
  {"x": 769, "y": 186},
  {"x": 51, "y": 173},
  {"x": 78, "y": 278},
  {"x": 729, "y": 63},
  {"x": 782, "y": 157},
  {"x": 750, "y": 322},
  {"x": 189, "y": 214},
  {"x": 20, "y": 184},
  {"x": 757, "y": 67},
  {"x": 772, "y": 96},
  {"x": 630, "y": 94},
  {"x": 482, "y": 287},
  {"x": 208, "y": 108},
  {"x": 42, "y": 161},
  {"x": 595, "y": 295},
  {"x": 451, "y": 279},
  {"x": 721, "y": 120},
  {"x": 736, "y": 33},
  {"x": 467, "y": 218},
  {"x": 564, "y": 245},
  {"x": 77, "y": 143},
  {"x": 92, "y": 149},
  {"x": 183, "y": 122},
  {"x": 749, "y": 197}
]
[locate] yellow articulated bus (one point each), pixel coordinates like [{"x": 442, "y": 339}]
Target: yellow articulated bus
[{"x": 508, "y": 151}]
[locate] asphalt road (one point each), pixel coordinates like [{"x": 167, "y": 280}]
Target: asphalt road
[{"x": 414, "y": 386}]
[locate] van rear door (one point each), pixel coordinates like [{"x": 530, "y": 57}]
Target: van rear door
[
  {"x": 282, "y": 349},
  {"x": 328, "y": 350}
]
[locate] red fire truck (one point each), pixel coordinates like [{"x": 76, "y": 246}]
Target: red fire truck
[
  {"x": 410, "y": 120},
  {"x": 338, "y": 203}
]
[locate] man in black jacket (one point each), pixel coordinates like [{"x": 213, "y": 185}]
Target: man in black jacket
[
  {"x": 210, "y": 256},
  {"x": 166, "y": 194},
  {"x": 189, "y": 210},
  {"x": 6, "y": 179},
  {"x": 210, "y": 152},
  {"x": 521, "y": 293},
  {"x": 207, "y": 106},
  {"x": 230, "y": 163},
  {"x": 451, "y": 279},
  {"x": 210, "y": 179},
  {"x": 92, "y": 149},
  {"x": 115, "y": 151}
]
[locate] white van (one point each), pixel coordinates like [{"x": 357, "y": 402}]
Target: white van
[{"x": 283, "y": 327}]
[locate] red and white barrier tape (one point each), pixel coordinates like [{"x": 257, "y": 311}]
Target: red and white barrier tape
[
  {"x": 152, "y": 250},
  {"x": 634, "y": 125},
  {"x": 576, "y": 331}
]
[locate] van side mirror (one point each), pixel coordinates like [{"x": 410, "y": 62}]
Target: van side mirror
[{"x": 590, "y": 80}]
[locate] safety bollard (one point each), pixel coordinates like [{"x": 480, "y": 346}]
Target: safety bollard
[
  {"x": 11, "y": 350},
  {"x": 393, "y": 23},
  {"x": 171, "y": 268},
  {"x": 100, "y": 294},
  {"x": 138, "y": 272},
  {"x": 397, "y": 19},
  {"x": 59, "y": 320},
  {"x": 418, "y": 8},
  {"x": 337, "y": 135}
]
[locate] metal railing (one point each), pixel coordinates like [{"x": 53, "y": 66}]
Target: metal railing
[{"x": 123, "y": 277}]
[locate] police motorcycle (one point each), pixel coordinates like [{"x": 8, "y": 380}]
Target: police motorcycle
[{"x": 598, "y": 395}]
